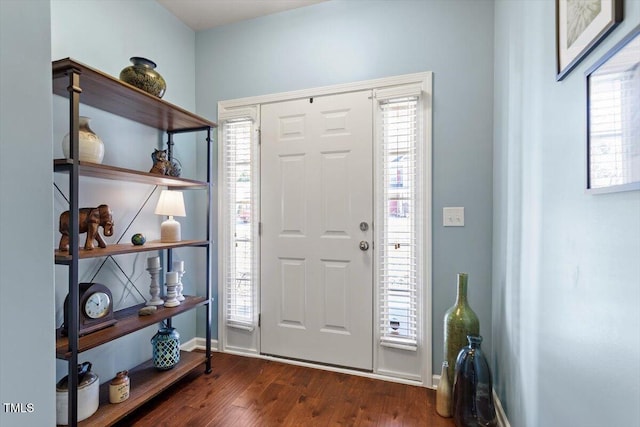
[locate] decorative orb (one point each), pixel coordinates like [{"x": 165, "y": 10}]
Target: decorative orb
[{"x": 138, "y": 239}]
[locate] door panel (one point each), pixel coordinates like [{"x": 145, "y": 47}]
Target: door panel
[
  {"x": 316, "y": 188},
  {"x": 292, "y": 197},
  {"x": 293, "y": 292},
  {"x": 335, "y": 302}
]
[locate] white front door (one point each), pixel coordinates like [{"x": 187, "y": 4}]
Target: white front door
[{"x": 316, "y": 191}]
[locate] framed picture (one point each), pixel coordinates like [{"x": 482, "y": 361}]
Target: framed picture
[
  {"x": 613, "y": 118},
  {"x": 580, "y": 26}
]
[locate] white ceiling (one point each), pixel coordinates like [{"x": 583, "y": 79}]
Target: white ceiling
[{"x": 206, "y": 14}]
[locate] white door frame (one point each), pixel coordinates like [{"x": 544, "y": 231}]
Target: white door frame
[{"x": 413, "y": 367}]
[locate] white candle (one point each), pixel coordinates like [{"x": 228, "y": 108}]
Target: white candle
[
  {"x": 178, "y": 265},
  {"x": 172, "y": 277},
  {"x": 153, "y": 262}
]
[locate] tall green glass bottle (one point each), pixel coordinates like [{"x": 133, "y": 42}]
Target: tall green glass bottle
[{"x": 459, "y": 321}]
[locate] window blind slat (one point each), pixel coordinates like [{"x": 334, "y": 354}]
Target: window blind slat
[
  {"x": 399, "y": 187},
  {"x": 239, "y": 190}
]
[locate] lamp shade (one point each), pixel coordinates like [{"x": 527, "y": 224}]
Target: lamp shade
[{"x": 170, "y": 203}]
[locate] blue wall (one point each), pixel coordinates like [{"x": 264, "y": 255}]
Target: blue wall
[
  {"x": 347, "y": 41},
  {"x": 27, "y": 364},
  {"x": 566, "y": 270},
  {"x": 103, "y": 35},
  {"x": 564, "y": 306}
]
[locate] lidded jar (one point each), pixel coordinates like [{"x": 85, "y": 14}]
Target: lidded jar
[
  {"x": 142, "y": 74},
  {"x": 88, "y": 395},
  {"x": 90, "y": 144},
  {"x": 166, "y": 348},
  {"x": 119, "y": 387}
]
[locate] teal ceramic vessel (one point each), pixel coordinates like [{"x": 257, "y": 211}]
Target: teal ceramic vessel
[{"x": 166, "y": 348}]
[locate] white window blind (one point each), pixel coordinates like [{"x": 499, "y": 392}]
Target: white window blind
[
  {"x": 240, "y": 264},
  {"x": 399, "y": 219}
]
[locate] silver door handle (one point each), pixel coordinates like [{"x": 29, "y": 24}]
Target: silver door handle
[{"x": 364, "y": 245}]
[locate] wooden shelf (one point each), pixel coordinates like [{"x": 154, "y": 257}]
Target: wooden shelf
[
  {"x": 95, "y": 170},
  {"x": 63, "y": 257},
  {"x": 146, "y": 383},
  {"x": 110, "y": 94},
  {"x": 128, "y": 321}
]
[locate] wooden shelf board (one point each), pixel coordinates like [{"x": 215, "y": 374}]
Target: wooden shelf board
[
  {"x": 128, "y": 322},
  {"x": 95, "y": 170},
  {"x": 110, "y": 94},
  {"x": 63, "y": 257},
  {"x": 146, "y": 383}
]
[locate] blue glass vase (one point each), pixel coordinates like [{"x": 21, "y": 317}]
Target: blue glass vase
[{"x": 473, "y": 389}]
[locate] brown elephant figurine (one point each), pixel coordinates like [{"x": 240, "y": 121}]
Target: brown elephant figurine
[{"x": 90, "y": 220}]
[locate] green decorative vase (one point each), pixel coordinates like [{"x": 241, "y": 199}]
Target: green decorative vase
[
  {"x": 142, "y": 74},
  {"x": 459, "y": 321}
]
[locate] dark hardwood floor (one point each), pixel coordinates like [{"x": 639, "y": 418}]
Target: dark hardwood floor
[{"x": 244, "y": 391}]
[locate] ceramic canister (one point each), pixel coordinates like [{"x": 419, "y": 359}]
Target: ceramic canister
[
  {"x": 88, "y": 398},
  {"x": 119, "y": 387}
]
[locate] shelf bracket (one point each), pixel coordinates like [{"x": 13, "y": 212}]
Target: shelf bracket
[
  {"x": 170, "y": 146},
  {"x": 74, "y": 220}
]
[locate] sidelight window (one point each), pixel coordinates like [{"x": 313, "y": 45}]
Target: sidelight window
[
  {"x": 240, "y": 221},
  {"x": 399, "y": 225}
]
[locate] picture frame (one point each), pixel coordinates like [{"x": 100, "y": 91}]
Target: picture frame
[
  {"x": 613, "y": 118},
  {"x": 580, "y": 26}
]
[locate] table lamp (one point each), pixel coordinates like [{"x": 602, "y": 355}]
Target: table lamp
[{"x": 170, "y": 203}]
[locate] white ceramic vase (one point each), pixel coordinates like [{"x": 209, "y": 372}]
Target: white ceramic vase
[{"x": 91, "y": 146}]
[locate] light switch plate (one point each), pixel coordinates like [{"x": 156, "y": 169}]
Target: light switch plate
[{"x": 453, "y": 217}]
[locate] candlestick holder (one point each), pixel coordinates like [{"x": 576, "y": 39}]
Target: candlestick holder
[
  {"x": 178, "y": 267},
  {"x": 180, "y": 287},
  {"x": 171, "y": 284},
  {"x": 154, "y": 287}
]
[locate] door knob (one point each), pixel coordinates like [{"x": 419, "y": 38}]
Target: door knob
[{"x": 364, "y": 245}]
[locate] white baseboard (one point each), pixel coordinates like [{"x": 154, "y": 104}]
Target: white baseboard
[
  {"x": 435, "y": 380},
  {"x": 503, "y": 421},
  {"x": 198, "y": 344}
]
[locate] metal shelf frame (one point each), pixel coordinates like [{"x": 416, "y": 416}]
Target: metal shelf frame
[{"x": 111, "y": 95}]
